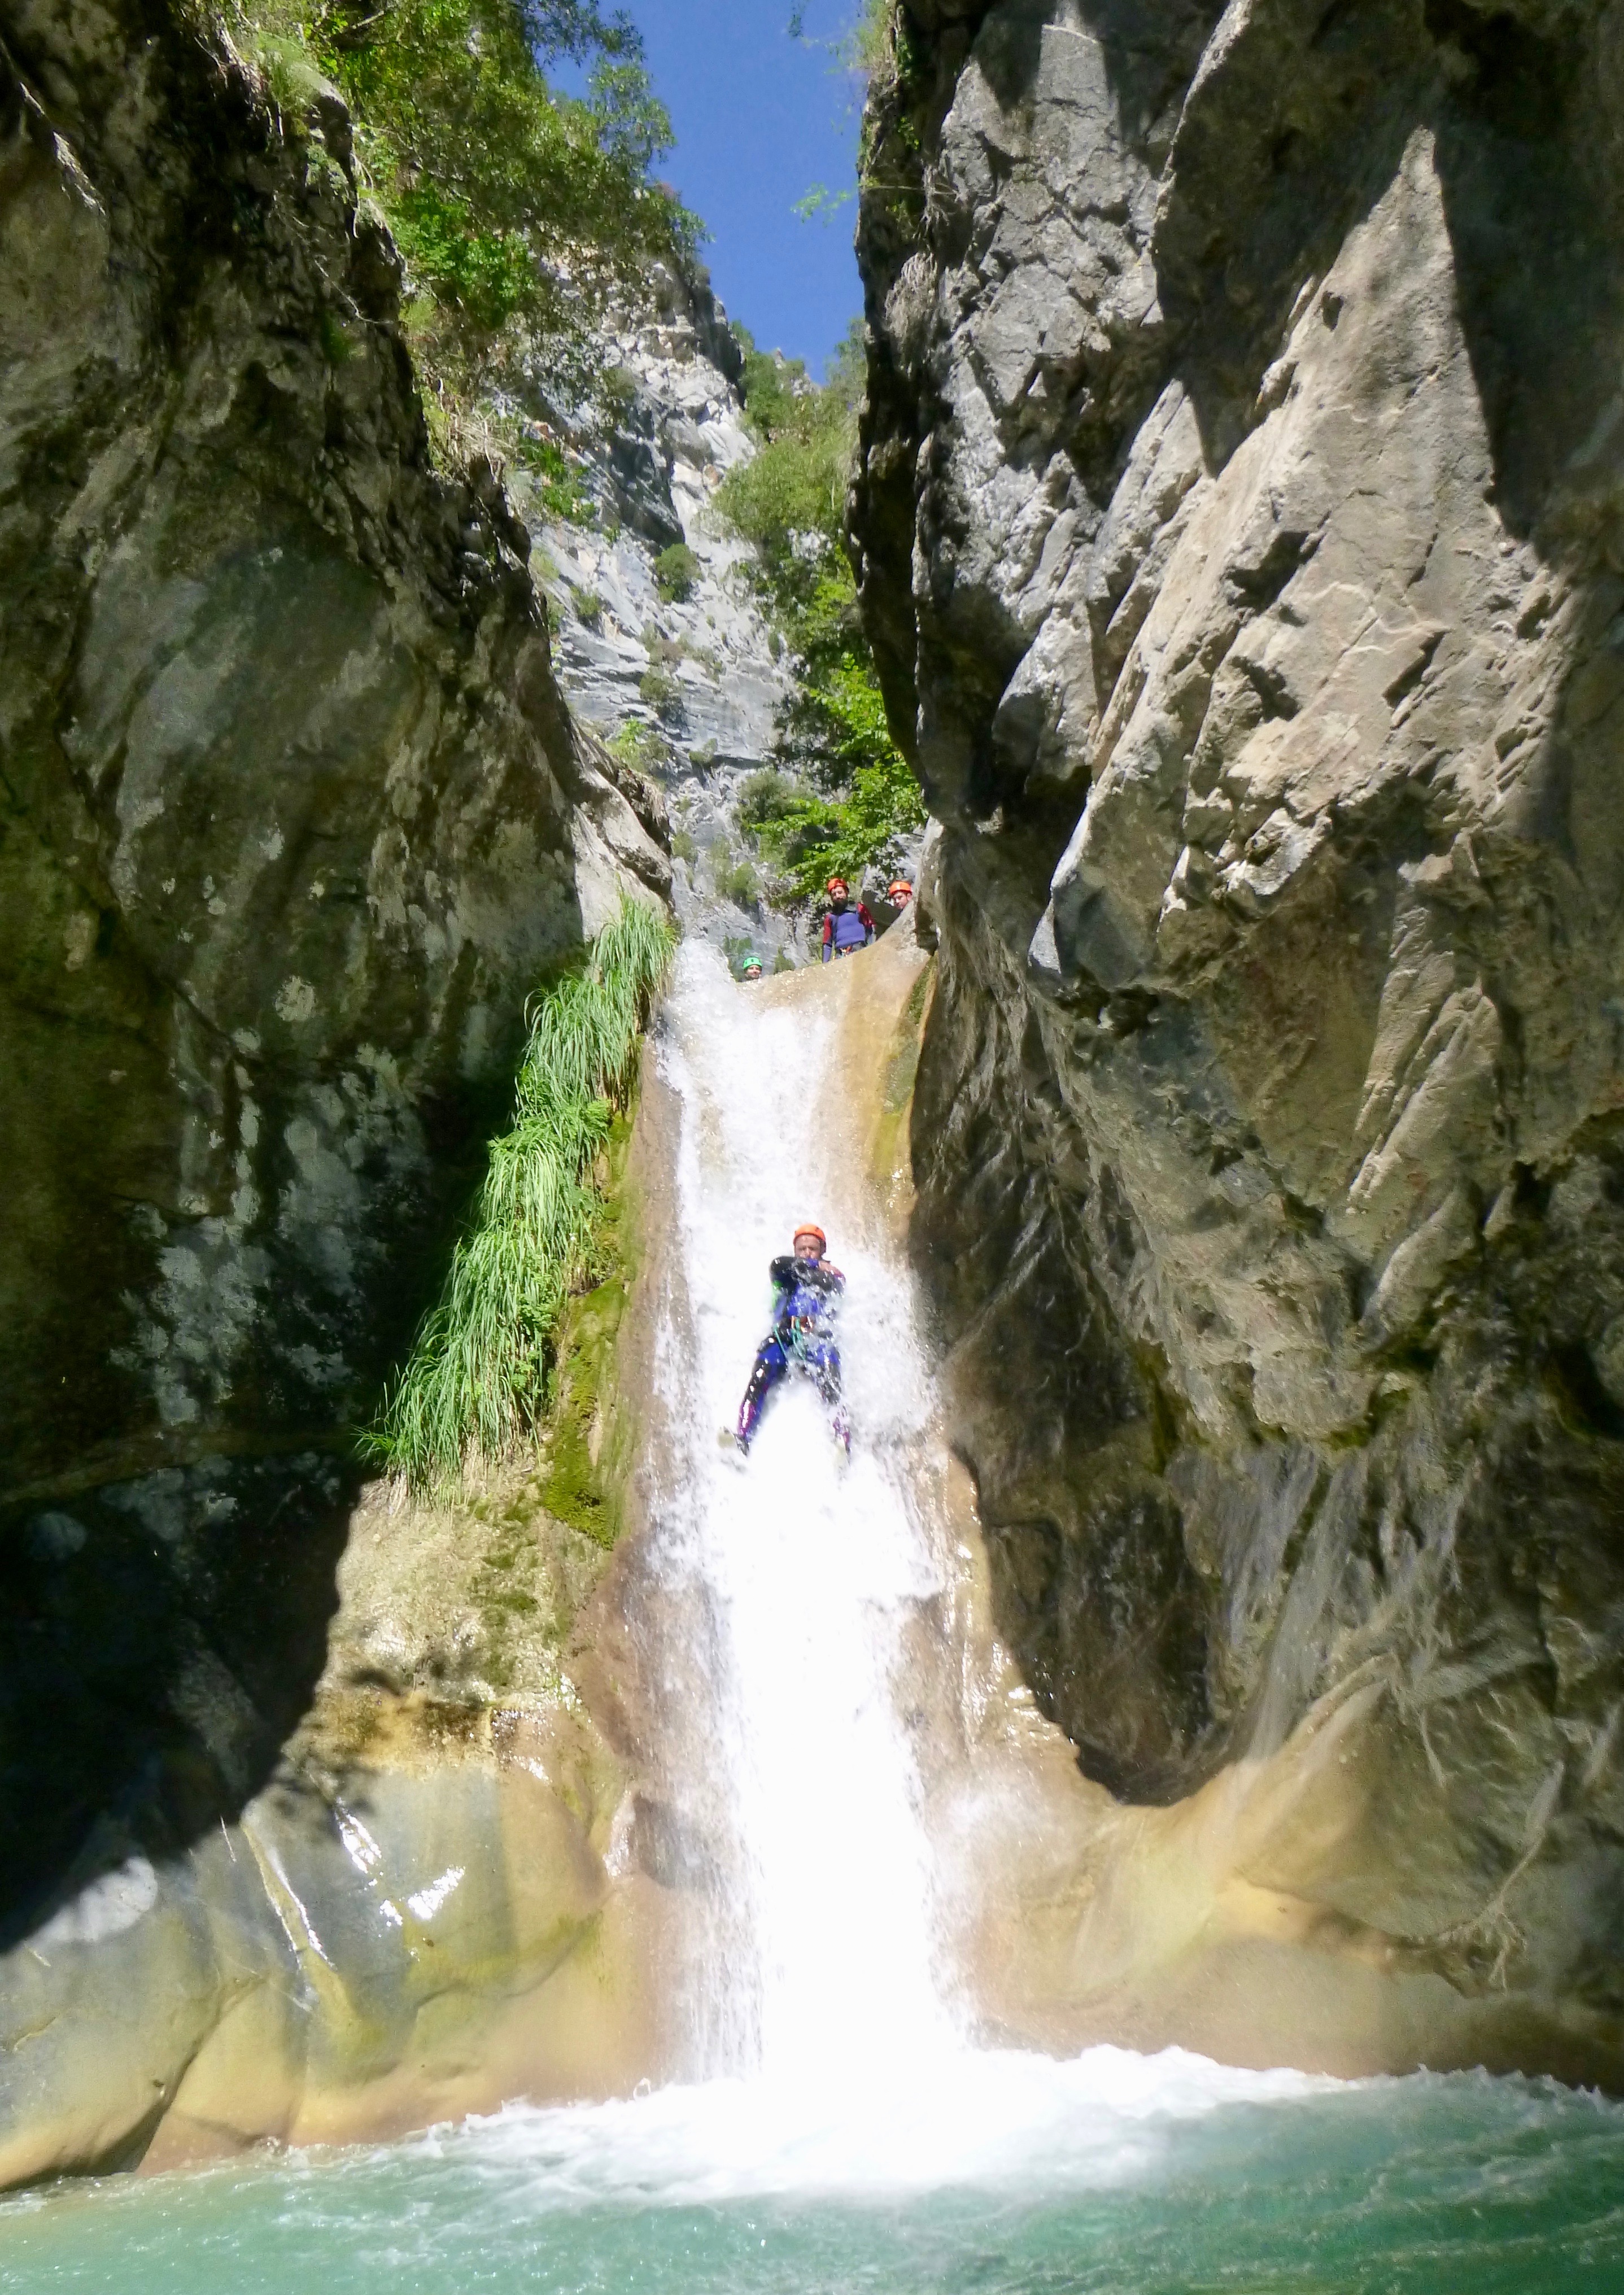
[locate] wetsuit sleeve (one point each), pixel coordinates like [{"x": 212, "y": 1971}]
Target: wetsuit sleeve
[
  {"x": 865, "y": 920},
  {"x": 829, "y": 934},
  {"x": 783, "y": 1273}
]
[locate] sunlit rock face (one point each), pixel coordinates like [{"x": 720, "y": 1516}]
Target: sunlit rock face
[
  {"x": 292, "y": 817},
  {"x": 652, "y": 474},
  {"x": 707, "y": 716},
  {"x": 1242, "y": 514},
  {"x": 431, "y": 1906}
]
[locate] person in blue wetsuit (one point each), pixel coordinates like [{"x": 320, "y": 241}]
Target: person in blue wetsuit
[
  {"x": 807, "y": 1299},
  {"x": 847, "y": 925}
]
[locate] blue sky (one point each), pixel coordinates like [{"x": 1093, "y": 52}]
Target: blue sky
[{"x": 759, "y": 119}]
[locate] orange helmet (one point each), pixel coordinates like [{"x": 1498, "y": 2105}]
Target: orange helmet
[
  {"x": 808, "y": 1227},
  {"x": 836, "y": 884},
  {"x": 899, "y": 889}
]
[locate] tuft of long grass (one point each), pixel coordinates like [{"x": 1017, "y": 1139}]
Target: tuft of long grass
[{"x": 475, "y": 1383}]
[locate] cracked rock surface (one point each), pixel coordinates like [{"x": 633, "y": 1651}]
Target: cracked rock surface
[{"x": 1242, "y": 521}]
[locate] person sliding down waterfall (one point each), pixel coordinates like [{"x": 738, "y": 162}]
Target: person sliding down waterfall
[
  {"x": 847, "y": 925},
  {"x": 806, "y": 1299}
]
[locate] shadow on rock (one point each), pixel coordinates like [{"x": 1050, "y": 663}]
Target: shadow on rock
[{"x": 161, "y": 1639}]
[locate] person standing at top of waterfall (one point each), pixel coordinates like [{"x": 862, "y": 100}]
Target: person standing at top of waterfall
[
  {"x": 847, "y": 925},
  {"x": 806, "y": 1293}
]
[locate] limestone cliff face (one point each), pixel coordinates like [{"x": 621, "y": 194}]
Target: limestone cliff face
[
  {"x": 707, "y": 717},
  {"x": 1242, "y": 513},
  {"x": 290, "y": 816}
]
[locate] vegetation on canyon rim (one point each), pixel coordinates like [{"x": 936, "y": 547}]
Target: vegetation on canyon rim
[
  {"x": 476, "y": 1382},
  {"x": 524, "y": 217},
  {"x": 521, "y": 213},
  {"x": 789, "y": 500}
]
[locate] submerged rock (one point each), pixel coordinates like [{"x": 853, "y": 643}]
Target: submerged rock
[{"x": 1240, "y": 513}]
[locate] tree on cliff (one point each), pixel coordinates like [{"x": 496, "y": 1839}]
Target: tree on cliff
[{"x": 521, "y": 212}]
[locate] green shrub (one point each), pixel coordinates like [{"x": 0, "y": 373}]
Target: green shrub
[
  {"x": 587, "y": 603},
  {"x": 644, "y": 748},
  {"x": 675, "y": 572},
  {"x": 661, "y": 691},
  {"x": 618, "y": 392},
  {"x": 843, "y": 835},
  {"x": 557, "y": 475},
  {"x": 522, "y": 213},
  {"x": 683, "y": 846},
  {"x": 738, "y": 882},
  {"x": 475, "y": 1383},
  {"x": 767, "y": 795}
]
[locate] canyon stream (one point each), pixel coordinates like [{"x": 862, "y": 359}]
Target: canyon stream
[{"x": 846, "y": 2123}]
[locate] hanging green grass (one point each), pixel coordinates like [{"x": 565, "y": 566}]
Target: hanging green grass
[{"x": 474, "y": 1384}]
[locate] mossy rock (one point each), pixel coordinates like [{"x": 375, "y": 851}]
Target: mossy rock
[
  {"x": 576, "y": 1485},
  {"x": 587, "y": 1445}
]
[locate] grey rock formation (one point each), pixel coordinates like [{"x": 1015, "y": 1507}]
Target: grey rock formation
[
  {"x": 697, "y": 679},
  {"x": 683, "y": 369},
  {"x": 430, "y": 1907},
  {"x": 1241, "y": 510},
  {"x": 291, "y": 814}
]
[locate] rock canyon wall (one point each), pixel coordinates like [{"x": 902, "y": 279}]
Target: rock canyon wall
[
  {"x": 292, "y": 818},
  {"x": 1241, "y": 536}
]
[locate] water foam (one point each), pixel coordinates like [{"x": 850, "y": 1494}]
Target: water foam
[{"x": 992, "y": 2119}]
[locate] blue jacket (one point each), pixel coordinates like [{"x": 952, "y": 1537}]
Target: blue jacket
[{"x": 805, "y": 1294}]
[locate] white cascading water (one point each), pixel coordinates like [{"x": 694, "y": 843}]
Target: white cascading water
[
  {"x": 809, "y": 1563},
  {"x": 825, "y": 2037}
]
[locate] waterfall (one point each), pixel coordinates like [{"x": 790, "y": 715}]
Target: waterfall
[
  {"x": 790, "y": 1600},
  {"x": 806, "y": 1567}
]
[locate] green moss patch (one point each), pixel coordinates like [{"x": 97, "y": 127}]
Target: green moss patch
[{"x": 585, "y": 1444}]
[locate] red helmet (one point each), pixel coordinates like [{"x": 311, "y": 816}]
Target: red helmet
[
  {"x": 808, "y": 1227},
  {"x": 836, "y": 884}
]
